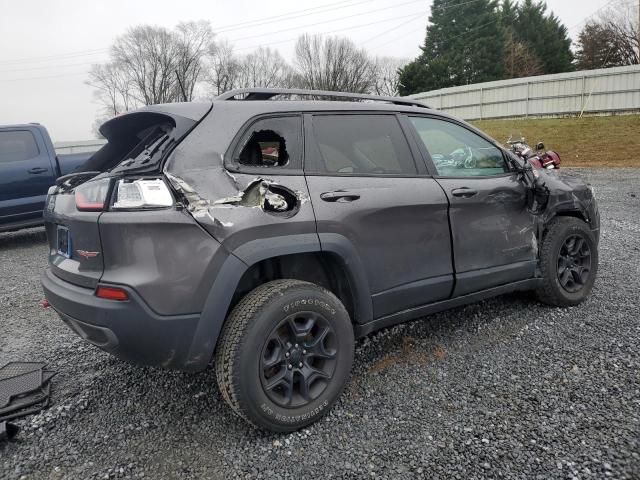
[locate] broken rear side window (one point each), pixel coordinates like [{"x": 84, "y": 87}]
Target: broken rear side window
[{"x": 272, "y": 142}]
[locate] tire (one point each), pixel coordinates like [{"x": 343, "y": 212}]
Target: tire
[
  {"x": 285, "y": 355},
  {"x": 568, "y": 262}
]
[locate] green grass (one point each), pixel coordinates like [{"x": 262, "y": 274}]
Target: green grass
[{"x": 581, "y": 142}]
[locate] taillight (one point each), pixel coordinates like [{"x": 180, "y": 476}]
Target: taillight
[
  {"x": 112, "y": 293},
  {"x": 91, "y": 196},
  {"x": 142, "y": 193}
]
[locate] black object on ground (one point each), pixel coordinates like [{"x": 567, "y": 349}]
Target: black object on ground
[
  {"x": 8, "y": 431},
  {"x": 38, "y": 399},
  {"x": 24, "y": 389}
]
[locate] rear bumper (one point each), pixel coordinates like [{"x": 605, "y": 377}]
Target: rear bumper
[{"x": 129, "y": 330}]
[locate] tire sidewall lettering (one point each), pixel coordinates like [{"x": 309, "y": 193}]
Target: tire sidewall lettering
[
  {"x": 279, "y": 417},
  {"x": 304, "y": 303}
]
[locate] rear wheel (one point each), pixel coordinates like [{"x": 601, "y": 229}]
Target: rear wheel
[
  {"x": 568, "y": 261},
  {"x": 285, "y": 355}
]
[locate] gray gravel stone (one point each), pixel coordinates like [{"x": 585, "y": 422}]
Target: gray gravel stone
[{"x": 506, "y": 388}]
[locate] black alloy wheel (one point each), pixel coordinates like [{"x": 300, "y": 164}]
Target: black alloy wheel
[
  {"x": 285, "y": 354},
  {"x": 574, "y": 263},
  {"x": 298, "y": 359},
  {"x": 568, "y": 262}
]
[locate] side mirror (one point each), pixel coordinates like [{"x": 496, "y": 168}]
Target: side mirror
[{"x": 540, "y": 146}]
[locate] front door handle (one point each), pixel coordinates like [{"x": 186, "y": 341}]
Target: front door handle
[
  {"x": 464, "y": 192},
  {"x": 37, "y": 170},
  {"x": 339, "y": 196}
]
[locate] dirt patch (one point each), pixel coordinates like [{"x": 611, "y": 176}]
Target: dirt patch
[
  {"x": 409, "y": 354},
  {"x": 439, "y": 353}
]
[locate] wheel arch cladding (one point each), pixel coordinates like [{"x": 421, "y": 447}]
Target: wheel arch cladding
[
  {"x": 251, "y": 254},
  {"x": 571, "y": 212}
]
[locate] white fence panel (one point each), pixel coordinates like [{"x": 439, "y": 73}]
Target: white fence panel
[
  {"x": 609, "y": 90},
  {"x": 79, "y": 146}
]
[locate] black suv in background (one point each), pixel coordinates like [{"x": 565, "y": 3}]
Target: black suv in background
[{"x": 263, "y": 232}]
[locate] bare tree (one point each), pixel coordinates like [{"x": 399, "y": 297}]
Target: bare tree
[
  {"x": 264, "y": 68},
  {"x": 598, "y": 46},
  {"x": 149, "y": 57},
  {"x": 623, "y": 22},
  {"x": 113, "y": 88},
  {"x": 151, "y": 65},
  {"x": 193, "y": 40},
  {"x": 222, "y": 68},
  {"x": 387, "y": 75},
  {"x": 519, "y": 59},
  {"x": 333, "y": 63}
]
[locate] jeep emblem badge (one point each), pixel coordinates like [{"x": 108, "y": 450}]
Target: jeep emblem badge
[{"x": 86, "y": 254}]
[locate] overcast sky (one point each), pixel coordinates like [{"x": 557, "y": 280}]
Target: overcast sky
[{"x": 47, "y": 46}]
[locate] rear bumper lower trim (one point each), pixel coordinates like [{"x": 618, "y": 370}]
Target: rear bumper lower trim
[{"x": 127, "y": 329}]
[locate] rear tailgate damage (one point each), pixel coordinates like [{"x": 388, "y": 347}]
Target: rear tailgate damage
[{"x": 137, "y": 145}]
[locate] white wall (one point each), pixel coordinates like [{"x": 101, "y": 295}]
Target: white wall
[{"x": 606, "y": 90}]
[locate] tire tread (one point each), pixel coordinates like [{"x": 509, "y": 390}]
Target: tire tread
[
  {"x": 546, "y": 291},
  {"x": 230, "y": 343}
]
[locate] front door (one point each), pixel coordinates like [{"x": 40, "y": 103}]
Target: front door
[
  {"x": 371, "y": 201},
  {"x": 494, "y": 240}
]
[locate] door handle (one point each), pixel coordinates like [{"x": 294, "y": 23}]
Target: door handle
[
  {"x": 339, "y": 196},
  {"x": 464, "y": 192},
  {"x": 37, "y": 170}
]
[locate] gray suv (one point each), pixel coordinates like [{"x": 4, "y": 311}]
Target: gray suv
[{"x": 264, "y": 231}]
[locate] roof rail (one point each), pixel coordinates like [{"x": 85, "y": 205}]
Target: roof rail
[{"x": 268, "y": 93}]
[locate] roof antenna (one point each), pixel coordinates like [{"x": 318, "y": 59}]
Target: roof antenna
[{"x": 184, "y": 94}]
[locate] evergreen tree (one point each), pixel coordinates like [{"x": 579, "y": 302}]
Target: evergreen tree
[
  {"x": 464, "y": 44},
  {"x": 509, "y": 13},
  {"x": 545, "y": 35},
  {"x": 519, "y": 58}
]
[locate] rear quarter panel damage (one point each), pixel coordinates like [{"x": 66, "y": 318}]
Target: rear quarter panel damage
[
  {"x": 236, "y": 208},
  {"x": 178, "y": 258}
]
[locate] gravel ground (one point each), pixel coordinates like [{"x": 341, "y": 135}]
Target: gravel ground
[{"x": 506, "y": 388}]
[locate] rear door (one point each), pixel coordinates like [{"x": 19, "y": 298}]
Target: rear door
[
  {"x": 370, "y": 196},
  {"x": 494, "y": 241},
  {"x": 26, "y": 173}
]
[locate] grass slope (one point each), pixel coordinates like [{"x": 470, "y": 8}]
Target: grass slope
[{"x": 581, "y": 142}]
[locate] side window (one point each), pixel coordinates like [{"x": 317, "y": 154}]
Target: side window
[
  {"x": 17, "y": 145},
  {"x": 458, "y": 152},
  {"x": 361, "y": 144},
  {"x": 272, "y": 142}
]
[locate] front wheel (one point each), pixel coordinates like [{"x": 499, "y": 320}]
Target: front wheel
[
  {"x": 568, "y": 261},
  {"x": 285, "y": 355}
]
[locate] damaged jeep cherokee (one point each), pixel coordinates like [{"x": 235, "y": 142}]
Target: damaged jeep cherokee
[{"x": 264, "y": 231}]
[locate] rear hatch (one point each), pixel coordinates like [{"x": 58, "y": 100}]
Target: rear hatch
[{"x": 138, "y": 143}]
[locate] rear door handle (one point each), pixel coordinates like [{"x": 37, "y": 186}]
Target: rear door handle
[
  {"x": 37, "y": 170},
  {"x": 464, "y": 192},
  {"x": 339, "y": 196}
]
